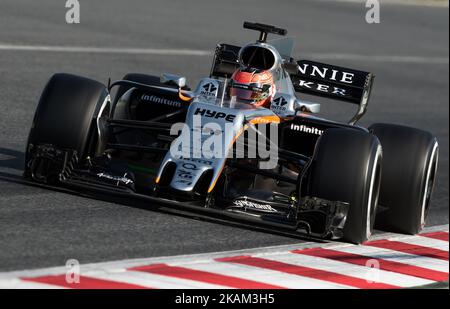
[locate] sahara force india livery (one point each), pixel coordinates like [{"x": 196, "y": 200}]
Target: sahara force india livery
[{"x": 154, "y": 139}]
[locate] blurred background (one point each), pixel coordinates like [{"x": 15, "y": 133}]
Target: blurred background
[{"x": 408, "y": 51}]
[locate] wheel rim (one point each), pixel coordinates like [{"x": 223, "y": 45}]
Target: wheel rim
[
  {"x": 429, "y": 183},
  {"x": 374, "y": 190},
  {"x": 104, "y": 112}
]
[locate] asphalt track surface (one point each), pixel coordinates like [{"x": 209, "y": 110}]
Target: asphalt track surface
[{"x": 408, "y": 52}]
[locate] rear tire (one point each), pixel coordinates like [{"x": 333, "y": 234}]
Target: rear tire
[
  {"x": 66, "y": 115},
  {"x": 409, "y": 172},
  {"x": 138, "y": 78},
  {"x": 347, "y": 168}
]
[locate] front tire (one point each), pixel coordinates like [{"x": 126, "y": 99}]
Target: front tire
[
  {"x": 347, "y": 168},
  {"x": 66, "y": 116}
]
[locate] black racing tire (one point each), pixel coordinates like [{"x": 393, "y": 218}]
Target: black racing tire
[
  {"x": 66, "y": 113},
  {"x": 347, "y": 168},
  {"x": 409, "y": 172}
]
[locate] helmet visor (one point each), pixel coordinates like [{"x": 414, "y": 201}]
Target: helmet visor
[{"x": 249, "y": 92}]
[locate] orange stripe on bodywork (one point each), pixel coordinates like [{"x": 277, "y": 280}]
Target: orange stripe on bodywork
[
  {"x": 239, "y": 133},
  {"x": 265, "y": 120},
  {"x": 183, "y": 97},
  {"x": 256, "y": 120}
]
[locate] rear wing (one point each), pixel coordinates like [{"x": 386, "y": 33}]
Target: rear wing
[{"x": 333, "y": 82}]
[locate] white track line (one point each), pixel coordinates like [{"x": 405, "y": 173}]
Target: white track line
[
  {"x": 428, "y": 3},
  {"x": 352, "y": 270},
  {"x": 16, "y": 283},
  {"x": 106, "y": 50},
  {"x": 195, "y": 52},
  {"x": 426, "y": 242},
  {"x": 154, "y": 280},
  {"x": 262, "y": 275},
  {"x": 395, "y": 256}
]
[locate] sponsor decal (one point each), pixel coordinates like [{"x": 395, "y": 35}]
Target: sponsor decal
[
  {"x": 245, "y": 203},
  {"x": 280, "y": 101},
  {"x": 188, "y": 171},
  {"x": 317, "y": 75},
  {"x": 200, "y": 161},
  {"x": 209, "y": 90},
  {"x": 306, "y": 129},
  {"x": 214, "y": 114},
  {"x": 326, "y": 73},
  {"x": 189, "y": 168},
  {"x": 159, "y": 100},
  {"x": 279, "y": 104},
  {"x": 209, "y": 87},
  {"x": 120, "y": 179},
  {"x": 322, "y": 88}
]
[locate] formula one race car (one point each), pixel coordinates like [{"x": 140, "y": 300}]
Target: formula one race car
[{"x": 212, "y": 149}]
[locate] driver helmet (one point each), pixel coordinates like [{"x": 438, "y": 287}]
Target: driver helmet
[{"x": 252, "y": 86}]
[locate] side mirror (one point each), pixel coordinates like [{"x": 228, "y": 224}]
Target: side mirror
[
  {"x": 173, "y": 79},
  {"x": 308, "y": 107}
]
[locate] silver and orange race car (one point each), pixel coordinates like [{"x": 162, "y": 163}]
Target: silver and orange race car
[{"x": 280, "y": 166}]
